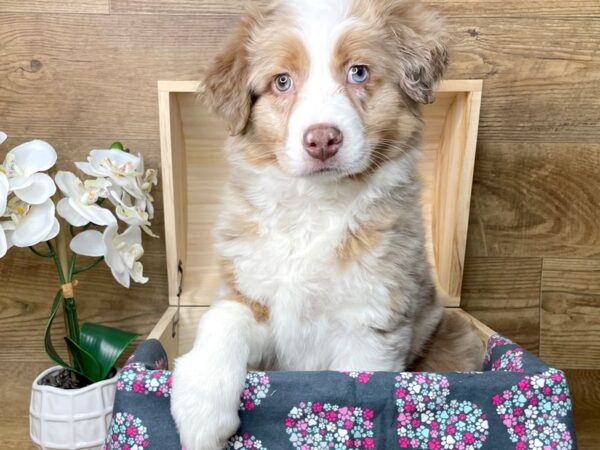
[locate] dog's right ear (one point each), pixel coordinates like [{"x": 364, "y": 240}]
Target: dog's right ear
[{"x": 225, "y": 87}]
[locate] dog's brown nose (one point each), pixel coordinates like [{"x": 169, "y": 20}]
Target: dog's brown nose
[{"x": 323, "y": 141}]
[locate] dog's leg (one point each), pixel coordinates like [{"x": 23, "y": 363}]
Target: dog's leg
[
  {"x": 454, "y": 347},
  {"x": 208, "y": 381}
]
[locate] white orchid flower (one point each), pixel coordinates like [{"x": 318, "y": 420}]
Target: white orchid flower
[
  {"x": 146, "y": 182},
  {"x": 120, "y": 167},
  {"x": 3, "y": 137},
  {"x": 22, "y": 166},
  {"x": 79, "y": 207},
  {"x": 3, "y": 200},
  {"x": 28, "y": 225},
  {"x": 132, "y": 215},
  {"x": 121, "y": 251}
]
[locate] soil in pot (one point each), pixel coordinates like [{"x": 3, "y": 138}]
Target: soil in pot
[{"x": 65, "y": 379}]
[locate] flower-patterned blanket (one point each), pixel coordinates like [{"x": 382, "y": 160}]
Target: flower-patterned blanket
[{"x": 516, "y": 403}]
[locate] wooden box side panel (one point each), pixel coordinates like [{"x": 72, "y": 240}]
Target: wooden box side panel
[
  {"x": 194, "y": 142},
  {"x": 174, "y": 185},
  {"x": 452, "y": 193}
]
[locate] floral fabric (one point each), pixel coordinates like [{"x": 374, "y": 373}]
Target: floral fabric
[{"x": 515, "y": 403}]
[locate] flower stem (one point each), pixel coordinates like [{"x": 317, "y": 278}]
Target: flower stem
[
  {"x": 38, "y": 253},
  {"x": 93, "y": 264},
  {"x": 54, "y": 256},
  {"x": 72, "y": 322},
  {"x": 72, "y": 266}
]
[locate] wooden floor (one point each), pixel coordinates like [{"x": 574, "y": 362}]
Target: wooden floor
[{"x": 82, "y": 73}]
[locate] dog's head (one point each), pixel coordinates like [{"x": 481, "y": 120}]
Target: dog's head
[{"x": 328, "y": 87}]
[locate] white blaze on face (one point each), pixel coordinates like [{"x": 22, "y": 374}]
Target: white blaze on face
[{"x": 321, "y": 98}]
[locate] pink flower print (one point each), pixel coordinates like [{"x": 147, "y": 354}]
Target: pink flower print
[
  {"x": 317, "y": 407},
  {"x": 126, "y": 432},
  {"x": 469, "y": 438},
  {"x": 546, "y": 390},
  {"x": 255, "y": 391},
  {"x": 497, "y": 399},
  {"x": 427, "y": 420},
  {"x": 245, "y": 442},
  {"x": 556, "y": 377},
  {"x": 541, "y": 420},
  {"x": 368, "y": 414},
  {"x": 361, "y": 377},
  {"x": 349, "y": 426},
  {"x": 434, "y": 444},
  {"x": 400, "y": 393}
]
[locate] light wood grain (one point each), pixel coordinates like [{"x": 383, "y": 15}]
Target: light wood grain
[
  {"x": 75, "y": 74},
  {"x": 56, "y": 6},
  {"x": 457, "y": 8},
  {"x": 558, "y": 57},
  {"x": 504, "y": 293},
  {"x": 541, "y": 76},
  {"x": 536, "y": 200},
  {"x": 570, "y": 332},
  {"x": 15, "y": 390}
]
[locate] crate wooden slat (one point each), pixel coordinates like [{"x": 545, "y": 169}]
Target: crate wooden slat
[{"x": 194, "y": 172}]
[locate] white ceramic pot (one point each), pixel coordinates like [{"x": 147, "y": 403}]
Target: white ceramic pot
[{"x": 70, "y": 419}]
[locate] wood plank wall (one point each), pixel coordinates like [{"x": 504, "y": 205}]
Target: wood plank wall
[{"x": 82, "y": 73}]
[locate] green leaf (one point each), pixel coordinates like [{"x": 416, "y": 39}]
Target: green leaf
[
  {"x": 117, "y": 146},
  {"x": 104, "y": 344},
  {"x": 90, "y": 368}
]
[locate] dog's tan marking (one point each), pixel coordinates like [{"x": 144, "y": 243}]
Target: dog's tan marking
[
  {"x": 260, "y": 312},
  {"x": 364, "y": 239}
]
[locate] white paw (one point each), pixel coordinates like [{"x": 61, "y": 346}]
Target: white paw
[{"x": 204, "y": 405}]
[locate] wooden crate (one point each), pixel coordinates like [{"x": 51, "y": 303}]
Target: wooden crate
[{"x": 194, "y": 171}]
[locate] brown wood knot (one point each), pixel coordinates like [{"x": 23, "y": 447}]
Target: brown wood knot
[{"x": 68, "y": 288}]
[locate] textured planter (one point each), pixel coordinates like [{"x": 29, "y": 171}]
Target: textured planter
[{"x": 75, "y": 419}]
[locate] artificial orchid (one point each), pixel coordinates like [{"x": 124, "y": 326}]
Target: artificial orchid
[
  {"x": 118, "y": 166},
  {"x": 120, "y": 251},
  {"x": 27, "y": 215},
  {"x": 80, "y": 204},
  {"x": 23, "y": 166},
  {"x": 28, "y": 218}
]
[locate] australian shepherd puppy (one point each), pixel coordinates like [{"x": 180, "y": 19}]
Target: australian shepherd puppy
[{"x": 321, "y": 237}]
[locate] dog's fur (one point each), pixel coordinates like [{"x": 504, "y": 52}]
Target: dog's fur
[{"x": 324, "y": 263}]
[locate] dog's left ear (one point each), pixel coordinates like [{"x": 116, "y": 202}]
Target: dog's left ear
[
  {"x": 225, "y": 87},
  {"x": 420, "y": 47}
]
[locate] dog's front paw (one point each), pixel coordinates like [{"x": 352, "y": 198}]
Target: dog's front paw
[{"x": 205, "y": 409}]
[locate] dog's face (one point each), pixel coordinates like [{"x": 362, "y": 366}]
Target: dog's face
[{"x": 328, "y": 88}]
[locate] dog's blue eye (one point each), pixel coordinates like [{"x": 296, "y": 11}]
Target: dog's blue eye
[
  {"x": 358, "y": 74},
  {"x": 283, "y": 82}
]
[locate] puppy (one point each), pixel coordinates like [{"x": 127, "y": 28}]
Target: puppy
[{"x": 321, "y": 237}]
